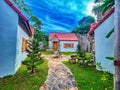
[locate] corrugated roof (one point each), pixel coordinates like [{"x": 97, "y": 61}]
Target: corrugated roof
[
  {"x": 63, "y": 36},
  {"x": 21, "y": 15},
  {"x": 95, "y": 25}
]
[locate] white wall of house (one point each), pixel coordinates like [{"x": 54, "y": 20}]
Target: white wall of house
[
  {"x": 8, "y": 38},
  {"x": 104, "y": 46},
  {"x": 69, "y": 49},
  {"x": 21, "y": 33},
  {"x": 50, "y": 44}
]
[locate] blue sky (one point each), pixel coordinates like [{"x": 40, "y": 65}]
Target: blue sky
[{"x": 60, "y": 15}]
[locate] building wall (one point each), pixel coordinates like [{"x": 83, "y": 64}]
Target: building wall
[
  {"x": 104, "y": 46},
  {"x": 84, "y": 42},
  {"x": 8, "y": 36},
  {"x": 74, "y": 49},
  {"x": 51, "y": 43},
  {"x": 21, "y": 33}
]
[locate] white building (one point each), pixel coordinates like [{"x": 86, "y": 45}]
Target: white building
[
  {"x": 64, "y": 42},
  {"x": 14, "y": 33},
  {"x": 104, "y": 47}
]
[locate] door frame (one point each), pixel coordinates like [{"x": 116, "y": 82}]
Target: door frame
[{"x": 55, "y": 46}]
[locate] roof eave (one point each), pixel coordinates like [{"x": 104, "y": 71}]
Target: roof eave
[
  {"x": 101, "y": 21},
  {"x": 21, "y": 15}
]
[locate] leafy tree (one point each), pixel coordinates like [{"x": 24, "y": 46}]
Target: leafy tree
[
  {"x": 98, "y": 1},
  {"x": 104, "y": 7},
  {"x": 88, "y": 19},
  {"x": 84, "y": 25},
  {"x": 41, "y": 37},
  {"x": 107, "y": 4},
  {"x": 34, "y": 56},
  {"x": 96, "y": 8},
  {"x": 34, "y": 21},
  {"x": 83, "y": 57}
]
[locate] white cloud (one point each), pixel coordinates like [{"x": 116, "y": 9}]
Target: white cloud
[{"x": 89, "y": 8}]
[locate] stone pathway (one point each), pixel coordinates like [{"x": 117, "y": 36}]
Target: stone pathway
[{"x": 59, "y": 76}]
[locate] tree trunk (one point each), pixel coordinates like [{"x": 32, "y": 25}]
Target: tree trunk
[
  {"x": 32, "y": 67},
  {"x": 117, "y": 45}
]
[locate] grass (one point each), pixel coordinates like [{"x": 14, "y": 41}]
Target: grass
[
  {"x": 50, "y": 52},
  {"x": 88, "y": 78},
  {"x": 22, "y": 80},
  {"x": 47, "y": 52},
  {"x": 68, "y": 53}
]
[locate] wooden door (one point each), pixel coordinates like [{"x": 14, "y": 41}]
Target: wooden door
[{"x": 55, "y": 46}]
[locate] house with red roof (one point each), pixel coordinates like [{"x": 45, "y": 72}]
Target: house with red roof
[
  {"x": 104, "y": 47},
  {"x": 14, "y": 33},
  {"x": 64, "y": 42}
]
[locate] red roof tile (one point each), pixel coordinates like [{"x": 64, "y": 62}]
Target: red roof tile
[
  {"x": 64, "y": 36},
  {"x": 95, "y": 25},
  {"x": 20, "y": 14}
]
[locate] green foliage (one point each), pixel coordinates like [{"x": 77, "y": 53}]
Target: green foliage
[
  {"x": 96, "y": 9},
  {"x": 34, "y": 21},
  {"x": 84, "y": 58},
  {"x": 84, "y": 25},
  {"x": 110, "y": 33},
  {"x": 88, "y": 56},
  {"x": 80, "y": 52},
  {"x": 22, "y": 80},
  {"x": 106, "y": 78},
  {"x": 41, "y": 37},
  {"x": 88, "y": 79},
  {"x": 110, "y": 58},
  {"x": 68, "y": 53},
  {"x": 47, "y": 52},
  {"x": 104, "y": 7},
  {"x": 34, "y": 56},
  {"x": 107, "y": 4},
  {"x": 98, "y": 1},
  {"x": 99, "y": 66},
  {"x": 22, "y": 6}
]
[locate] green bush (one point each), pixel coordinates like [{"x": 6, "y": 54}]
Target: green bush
[{"x": 88, "y": 56}]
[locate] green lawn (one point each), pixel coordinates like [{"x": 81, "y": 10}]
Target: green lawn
[
  {"x": 22, "y": 80},
  {"x": 68, "y": 53},
  {"x": 47, "y": 52},
  {"x": 88, "y": 78}
]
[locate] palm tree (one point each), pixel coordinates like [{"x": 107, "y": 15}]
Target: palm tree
[
  {"x": 107, "y": 4},
  {"x": 117, "y": 45},
  {"x": 102, "y": 6},
  {"x": 97, "y": 10}
]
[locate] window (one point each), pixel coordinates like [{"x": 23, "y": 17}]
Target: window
[
  {"x": 68, "y": 45},
  {"x": 24, "y": 44}
]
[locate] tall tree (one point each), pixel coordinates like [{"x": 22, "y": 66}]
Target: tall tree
[
  {"x": 117, "y": 45},
  {"x": 96, "y": 8},
  {"x": 34, "y": 55},
  {"x": 84, "y": 25},
  {"x": 98, "y": 1},
  {"x": 103, "y": 7},
  {"x": 107, "y": 4},
  {"x": 34, "y": 21}
]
